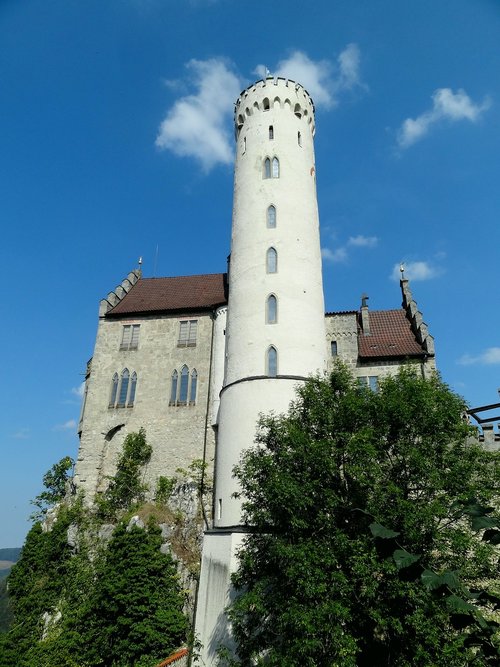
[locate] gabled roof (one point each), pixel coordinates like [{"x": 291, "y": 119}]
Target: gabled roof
[
  {"x": 390, "y": 335},
  {"x": 180, "y": 293}
]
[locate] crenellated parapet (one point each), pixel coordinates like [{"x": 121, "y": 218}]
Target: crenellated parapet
[
  {"x": 114, "y": 297},
  {"x": 273, "y": 93},
  {"x": 415, "y": 317},
  {"x": 490, "y": 437}
]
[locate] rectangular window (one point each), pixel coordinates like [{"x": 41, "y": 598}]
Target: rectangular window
[
  {"x": 334, "y": 348},
  {"x": 130, "y": 337},
  {"x": 187, "y": 333},
  {"x": 370, "y": 381}
]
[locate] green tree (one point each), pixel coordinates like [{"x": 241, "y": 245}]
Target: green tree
[
  {"x": 55, "y": 482},
  {"x": 374, "y": 535}
]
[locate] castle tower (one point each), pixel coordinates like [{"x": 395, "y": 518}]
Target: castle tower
[{"x": 275, "y": 333}]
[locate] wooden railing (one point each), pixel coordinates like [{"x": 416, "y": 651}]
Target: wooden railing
[{"x": 177, "y": 659}]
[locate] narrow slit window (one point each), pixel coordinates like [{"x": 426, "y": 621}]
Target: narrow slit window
[
  {"x": 271, "y": 132},
  {"x": 114, "y": 391},
  {"x": 219, "y": 509},
  {"x": 299, "y": 138},
  {"x": 272, "y": 362},
  {"x": 133, "y": 385},
  {"x": 183, "y": 391},
  {"x": 193, "y": 387},
  {"x": 173, "y": 387},
  {"x": 333, "y": 347},
  {"x": 244, "y": 145},
  {"x": 122, "y": 398},
  {"x": 297, "y": 111},
  {"x": 267, "y": 168},
  {"x": 271, "y": 217},
  {"x": 272, "y": 261},
  {"x": 276, "y": 167},
  {"x": 272, "y": 309}
]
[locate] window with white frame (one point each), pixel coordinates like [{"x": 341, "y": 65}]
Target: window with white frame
[
  {"x": 130, "y": 337},
  {"x": 370, "y": 381},
  {"x": 272, "y": 362},
  {"x": 271, "y": 217},
  {"x": 123, "y": 389},
  {"x": 187, "y": 333},
  {"x": 183, "y": 387}
]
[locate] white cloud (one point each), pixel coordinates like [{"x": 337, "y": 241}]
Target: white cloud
[
  {"x": 78, "y": 391},
  {"x": 488, "y": 357},
  {"x": 197, "y": 125},
  {"x": 334, "y": 256},
  {"x": 416, "y": 271},
  {"x": 322, "y": 79},
  {"x": 70, "y": 425},
  {"x": 446, "y": 105},
  {"x": 22, "y": 434},
  {"x": 361, "y": 241}
]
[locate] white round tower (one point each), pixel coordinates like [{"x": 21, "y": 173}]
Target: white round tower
[{"x": 275, "y": 334}]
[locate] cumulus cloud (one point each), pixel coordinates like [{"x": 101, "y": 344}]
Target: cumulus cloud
[
  {"x": 490, "y": 356},
  {"x": 363, "y": 241},
  {"x": 416, "y": 271},
  {"x": 70, "y": 425},
  {"x": 197, "y": 125},
  {"x": 334, "y": 256},
  {"x": 322, "y": 79},
  {"x": 446, "y": 105}
]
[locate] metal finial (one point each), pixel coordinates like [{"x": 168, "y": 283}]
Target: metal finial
[{"x": 140, "y": 261}]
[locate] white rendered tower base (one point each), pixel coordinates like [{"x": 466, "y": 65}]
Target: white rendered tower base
[{"x": 275, "y": 334}]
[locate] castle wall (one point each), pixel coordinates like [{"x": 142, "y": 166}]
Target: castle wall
[{"x": 176, "y": 431}]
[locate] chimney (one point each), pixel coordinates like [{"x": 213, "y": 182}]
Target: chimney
[{"x": 365, "y": 317}]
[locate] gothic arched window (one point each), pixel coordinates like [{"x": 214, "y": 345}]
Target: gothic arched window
[
  {"x": 133, "y": 385},
  {"x": 114, "y": 391},
  {"x": 271, "y": 261},
  {"x": 271, "y": 132},
  {"x": 173, "y": 387},
  {"x": 271, "y": 217},
  {"x": 183, "y": 391},
  {"x": 271, "y": 309},
  {"x": 192, "y": 389},
  {"x": 276, "y": 167},
  {"x": 267, "y": 168},
  {"x": 122, "y": 397},
  {"x": 265, "y": 104},
  {"x": 272, "y": 362}
]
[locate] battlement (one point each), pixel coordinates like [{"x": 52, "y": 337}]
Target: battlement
[
  {"x": 119, "y": 292},
  {"x": 272, "y": 93}
]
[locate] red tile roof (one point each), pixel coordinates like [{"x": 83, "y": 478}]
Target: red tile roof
[
  {"x": 390, "y": 336},
  {"x": 182, "y": 293}
]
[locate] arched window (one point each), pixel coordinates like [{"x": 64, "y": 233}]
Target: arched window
[
  {"x": 267, "y": 168},
  {"x": 192, "y": 389},
  {"x": 271, "y": 309},
  {"x": 272, "y": 261},
  {"x": 297, "y": 111},
  {"x": 272, "y": 362},
  {"x": 122, "y": 397},
  {"x": 183, "y": 392},
  {"x": 266, "y": 104},
  {"x": 173, "y": 388},
  {"x": 299, "y": 138},
  {"x": 133, "y": 385},
  {"x": 276, "y": 167},
  {"x": 271, "y": 132},
  {"x": 114, "y": 391},
  {"x": 271, "y": 217}
]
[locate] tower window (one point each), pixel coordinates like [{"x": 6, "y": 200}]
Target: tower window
[
  {"x": 271, "y": 217},
  {"x": 187, "y": 333},
  {"x": 299, "y": 138},
  {"x": 131, "y": 395},
  {"x": 267, "y": 168},
  {"x": 122, "y": 396},
  {"x": 183, "y": 392},
  {"x": 272, "y": 362},
  {"x": 271, "y": 309},
  {"x": 333, "y": 347},
  {"x": 244, "y": 148},
  {"x": 114, "y": 391},
  {"x": 276, "y": 167},
  {"x": 272, "y": 261},
  {"x": 192, "y": 389},
  {"x": 130, "y": 337},
  {"x": 271, "y": 132},
  {"x": 123, "y": 390},
  {"x": 266, "y": 104},
  {"x": 297, "y": 111}
]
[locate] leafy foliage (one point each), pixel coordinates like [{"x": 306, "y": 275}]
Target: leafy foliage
[
  {"x": 370, "y": 545},
  {"x": 55, "y": 481},
  {"x": 126, "y": 488}
]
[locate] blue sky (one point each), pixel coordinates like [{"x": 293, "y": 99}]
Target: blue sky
[{"x": 116, "y": 142}]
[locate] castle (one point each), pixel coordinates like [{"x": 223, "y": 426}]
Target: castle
[{"x": 195, "y": 359}]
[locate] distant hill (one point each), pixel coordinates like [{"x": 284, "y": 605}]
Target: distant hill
[{"x": 7, "y": 559}]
